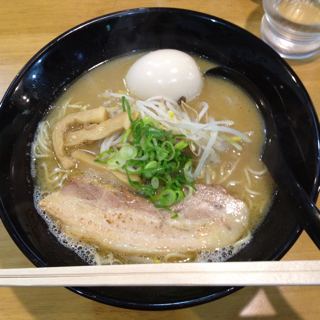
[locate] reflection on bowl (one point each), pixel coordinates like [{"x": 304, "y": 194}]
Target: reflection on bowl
[{"x": 63, "y": 60}]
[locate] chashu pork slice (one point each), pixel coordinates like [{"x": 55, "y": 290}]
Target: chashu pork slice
[{"x": 113, "y": 218}]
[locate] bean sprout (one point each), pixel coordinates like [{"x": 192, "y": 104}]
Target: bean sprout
[{"x": 204, "y": 139}]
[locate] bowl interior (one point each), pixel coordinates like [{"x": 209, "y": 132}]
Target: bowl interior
[{"x": 62, "y": 61}]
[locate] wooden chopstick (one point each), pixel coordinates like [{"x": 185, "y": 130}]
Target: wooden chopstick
[{"x": 271, "y": 273}]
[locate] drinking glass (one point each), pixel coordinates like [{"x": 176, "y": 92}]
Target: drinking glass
[{"x": 292, "y": 27}]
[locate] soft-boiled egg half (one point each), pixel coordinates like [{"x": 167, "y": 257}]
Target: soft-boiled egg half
[{"x": 169, "y": 73}]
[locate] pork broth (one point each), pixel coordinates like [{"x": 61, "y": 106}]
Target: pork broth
[{"x": 240, "y": 171}]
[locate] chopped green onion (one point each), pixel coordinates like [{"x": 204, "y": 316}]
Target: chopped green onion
[
  {"x": 181, "y": 145},
  {"x": 161, "y": 154},
  {"x": 125, "y": 136},
  {"x": 107, "y": 155},
  {"x": 152, "y": 156},
  {"x": 169, "y": 146},
  {"x": 116, "y": 163},
  {"x": 154, "y": 131},
  {"x": 155, "y": 182},
  {"x": 187, "y": 171},
  {"x": 148, "y": 120},
  {"x": 149, "y": 191},
  {"x": 175, "y": 216},
  {"x": 148, "y": 170},
  {"x": 128, "y": 152},
  {"x": 156, "y": 156},
  {"x": 187, "y": 183},
  {"x": 125, "y": 103},
  {"x": 132, "y": 183},
  {"x": 132, "y": 170},
  {"x": 179, "y": 195},
  {"x": 144, "y": 157},
  {"x": 166, "y": 198}
]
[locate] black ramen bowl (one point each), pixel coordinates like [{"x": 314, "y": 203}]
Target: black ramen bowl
[{"x": 73, "y": 53}]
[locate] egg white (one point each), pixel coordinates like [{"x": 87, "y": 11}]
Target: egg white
[{"x": 169, "y": 73}]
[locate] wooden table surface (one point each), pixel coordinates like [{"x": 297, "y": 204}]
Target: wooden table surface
[{"x": 25, "y": 27}]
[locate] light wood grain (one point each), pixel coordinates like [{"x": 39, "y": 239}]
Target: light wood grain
[
  {"x": 249, "y": 273},
  {"x": 25, "y": 27}
]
